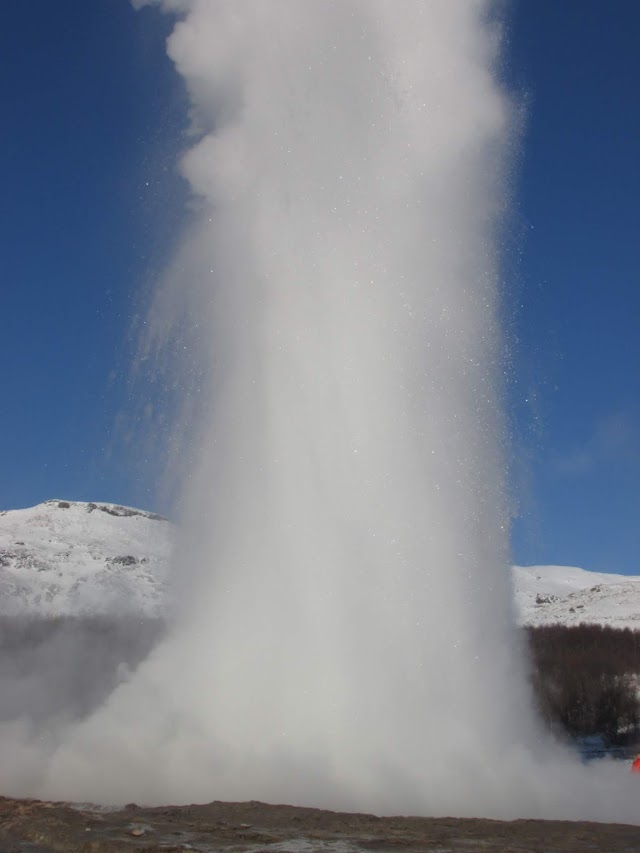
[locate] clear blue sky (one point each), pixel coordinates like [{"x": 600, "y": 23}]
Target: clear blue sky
[{"x": 92, "y": 116}]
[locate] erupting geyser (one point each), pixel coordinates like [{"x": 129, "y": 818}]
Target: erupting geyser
[
  {"x": 347, "y": 504},
  {"x": 344, "y": 636}
]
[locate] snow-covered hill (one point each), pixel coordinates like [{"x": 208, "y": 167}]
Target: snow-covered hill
[
  {"x": 548, "y": 594},
  {"x": 71, "y": 558}
]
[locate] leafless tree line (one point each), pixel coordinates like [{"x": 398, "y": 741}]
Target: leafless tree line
[{"x": 586, "y": 680}]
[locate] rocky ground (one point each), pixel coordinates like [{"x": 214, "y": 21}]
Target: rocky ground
[{"x": 29, "y": 826}]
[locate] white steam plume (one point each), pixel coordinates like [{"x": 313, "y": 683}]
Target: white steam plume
[{"x": 346, "y": 636}]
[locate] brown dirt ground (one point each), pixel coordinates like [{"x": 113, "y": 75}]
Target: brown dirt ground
[{"x": 31, "y": 826}]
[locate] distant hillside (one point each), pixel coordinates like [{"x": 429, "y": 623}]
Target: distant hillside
[
  {"x": 70, "y": 558},
  {"x": 563, "y": 594}
]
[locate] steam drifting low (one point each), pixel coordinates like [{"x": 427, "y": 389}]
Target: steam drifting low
[{"x": 345, "y": 635}]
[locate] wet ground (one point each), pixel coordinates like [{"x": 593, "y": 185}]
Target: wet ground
[{"x": 30, "y": 826}]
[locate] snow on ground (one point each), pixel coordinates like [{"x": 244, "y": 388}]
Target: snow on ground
[{"x": 72, "y": 558}]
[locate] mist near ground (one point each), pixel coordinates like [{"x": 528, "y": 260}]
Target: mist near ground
[
  {"x": 345, "y": 635},
  {"x": 55, "y": 671},
  {"x": 67, "y": 666}
]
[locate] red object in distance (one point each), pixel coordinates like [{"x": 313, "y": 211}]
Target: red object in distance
[{"x": 635, "y": 767}]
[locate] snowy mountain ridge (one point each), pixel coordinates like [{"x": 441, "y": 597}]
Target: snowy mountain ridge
[
  {"x": 71, "y": 558},
  {"x": 549, "y": 594}
]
